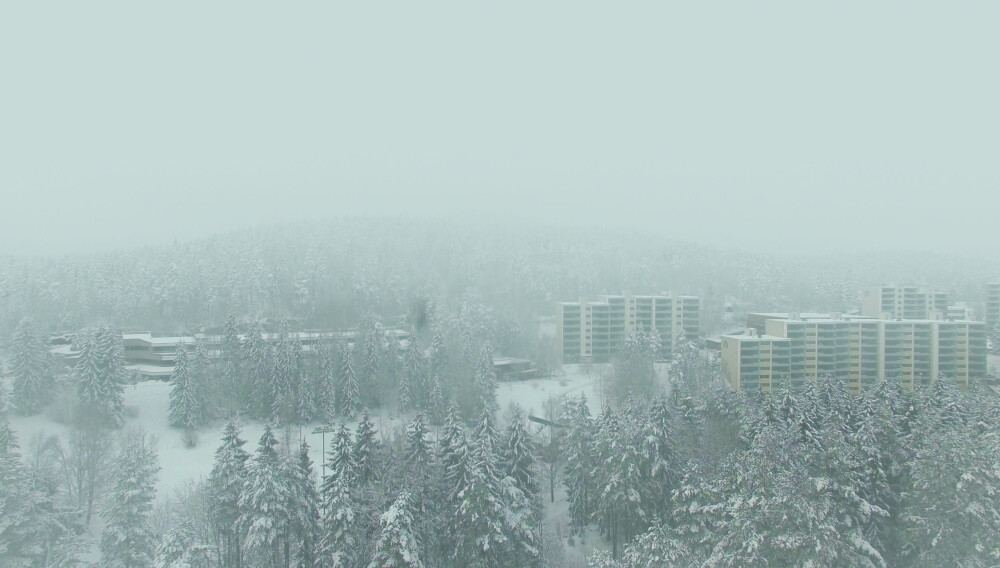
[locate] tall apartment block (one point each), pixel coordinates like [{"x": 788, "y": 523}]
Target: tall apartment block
[
  {"x": 992, "y": 301},
  {"x": 904, "y": 302},
  {"x": 756, "y": 362},
  {"x": 859, "y": 350},
  {"x": 597, "y": 329}
]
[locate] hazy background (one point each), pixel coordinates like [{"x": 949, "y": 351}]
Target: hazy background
[{"x": 777, "y": 126}]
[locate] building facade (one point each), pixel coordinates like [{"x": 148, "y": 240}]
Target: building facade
[
  {"x": 864, "y": 351},
  {"x": 596, "y": 330},
  {"x": 904, "y": 302},
  {"x": 992, "y": 305}
]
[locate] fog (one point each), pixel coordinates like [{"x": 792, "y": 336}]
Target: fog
[{"x": 779, "y": 127}]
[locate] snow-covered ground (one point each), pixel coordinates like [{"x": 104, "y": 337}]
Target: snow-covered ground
[
  {"x": 147, "y": 403},
  {"x": 179, "y": 464}
]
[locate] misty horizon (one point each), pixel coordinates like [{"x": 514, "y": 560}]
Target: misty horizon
[{"x": 800, "y": 130}]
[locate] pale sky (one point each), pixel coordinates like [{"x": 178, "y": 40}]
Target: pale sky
[{"x": 774, "y": 126}]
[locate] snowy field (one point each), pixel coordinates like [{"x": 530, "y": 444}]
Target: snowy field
[
  {"x": 148, "y": 402},
  {"x": 180, "y": 465}
]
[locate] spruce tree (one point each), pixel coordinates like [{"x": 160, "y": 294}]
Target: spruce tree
[
  {"x": 128, "y": 540},
  {"x": 397, "y": 546},
  {"x": 340, "y": 465},
  {"x": 32, "y": 382},
  {"x": 225, "y": 486},
  {"x": 234, "y": 381},
  {"x": 255, "y": 363},
  {"x": 418, "y": 449},
  {"x": 305, "y": 503},
  {"x": 659, "y": 459},
  {"x": 99, "y": 379},
  {"x": 405, "y": 402},
  {"x": 265, "y": 518},
  {"x": 325, "y": 385},
  {"x": 206, "y": 386},
  {"x": 453, "y": 452},
  {"x": 480, "y": 522},
  {"x": 415, "y": 372},
  {"x": 487, "y": 380},
  {"x": 439, "y": 352},
  {"x": 339, "y": 542},
  {"x": 579, "y": 467},
  {"x": 348, "y": 394},
  {"x": 437, "y": 408},
  {"x": 518, "y": 456},
  {"x": 365, "y": 447},
  {"x": 185, "y": 401},
  {"x": 175, "y": 549}
]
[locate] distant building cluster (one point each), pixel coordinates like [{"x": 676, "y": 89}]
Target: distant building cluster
[
  {"x": 596, "y": 330},
  {"x": 861, "y": 350},
  {"x": 152, "y": 357},
  {"x": 905, "y": 332}
]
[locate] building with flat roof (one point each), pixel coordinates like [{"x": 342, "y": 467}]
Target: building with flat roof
[
  {"x": 992, "y": 304},
  {"x": 596, "y": 330},
  {"x": 756, "y": 362},
  {"x": 152, "y": 357},
  {"x": 904, "y": 302},
  {"x": 864, "y": 351}
]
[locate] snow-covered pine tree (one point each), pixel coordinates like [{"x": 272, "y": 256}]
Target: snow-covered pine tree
[
  {"x": 340, "y": 465},
  {"x": 185, "y": 402},
  {"x": 436, "y": 407},
  {"x": 365, "y": 449},
  {"x": 453, "y": 451},
  {"x": 325, "y": 384},
  {"x": 280, "y": 377},
  {"x": 234, "y": 390},
  {"x": 519, "y": 493},
  {"x": 479, "y": 523},
  {"x": 303, "y": 388},
  {"x": 338, "y": 542},
  {"x": 225, "y": 486},
  {"x": 418, "y": 448},
  {"x": 34, "y": 529},
  {"x": 371, "y": 356},
  {"x": 202, "y": 373},
  {"x": 305, "y": 504},
  {"x": 32, "y": 381},
  {"x": 486, "y": 378},
  {"x": 660, "y": 465},
  {"x": 439, "y": 352},
  {"x": 264, "y": 515},
  {"x": 404, "y": 399},
  {"x": 174, "y": 550},
  {"x": 348, "y": 393},
  {"x": 98, "y": 379},
  {"x": 231, "y": 337},
  {"x": 618, "y": 505},
  {"x": 128, "y": 539},
  {"x": 579, "y": 468},
  {"x": 518, "y": 457},
  {"x": 415, "y": 372},
  {"x": 255, "y": 363},
  {"x": 397, "y": 546}
]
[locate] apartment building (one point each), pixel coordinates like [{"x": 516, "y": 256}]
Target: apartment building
[
  {"x": 757, "y": 362},
  {"x": 904, "y": 302},
  {"x": 992, "y": 304},
  {"x": 863, "y": 351},
  {"x": 596, "y": 330}
]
